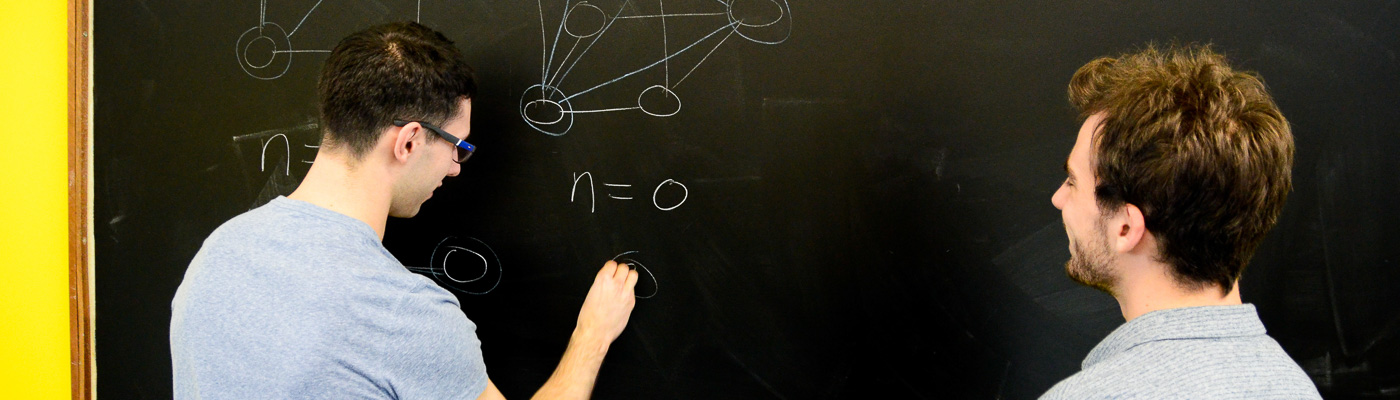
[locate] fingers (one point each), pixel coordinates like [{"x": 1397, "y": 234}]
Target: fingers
[
  {"x": 609, "y": 269},
  {"x": 621, "y": 273},
  {"x": 609, "y": 303},
  {"x": 632, "y": 277}
]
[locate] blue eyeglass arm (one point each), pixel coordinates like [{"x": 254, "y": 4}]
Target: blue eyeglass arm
[{"x": 455, "y": 141}]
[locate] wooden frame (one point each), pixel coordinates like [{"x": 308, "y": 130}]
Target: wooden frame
[{"x": 79, "y": 202}]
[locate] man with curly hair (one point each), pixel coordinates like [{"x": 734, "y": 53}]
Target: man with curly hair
[{"x": 1181, "y": 166}]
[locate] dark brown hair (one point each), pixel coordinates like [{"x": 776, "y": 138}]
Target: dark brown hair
[
  {"x": 400, "y": 70},
  {"x": 1200, "y": 148}
]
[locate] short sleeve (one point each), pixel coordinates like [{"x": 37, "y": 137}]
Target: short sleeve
[{"x": 434, "y": 353}]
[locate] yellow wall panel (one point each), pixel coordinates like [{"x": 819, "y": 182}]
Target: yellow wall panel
[{"x": 34, "y": 200}]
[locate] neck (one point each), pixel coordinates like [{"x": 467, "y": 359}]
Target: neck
[
  {"x": 1153, "y": 288},
  {"x": 339, "y": 184}
]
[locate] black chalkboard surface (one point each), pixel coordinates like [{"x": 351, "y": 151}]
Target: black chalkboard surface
[{"x": 830, "y": 199}]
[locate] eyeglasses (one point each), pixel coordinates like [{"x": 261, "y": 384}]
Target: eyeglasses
[{"x": 464, "y": 149}]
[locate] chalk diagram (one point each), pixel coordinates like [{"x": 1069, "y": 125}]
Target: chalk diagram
[
  {"x": 466, "y": 265},
  {"x": 549, "y": 108},
  {"x": 265, "y": 50},
  {"x": 629, "y": 258}
]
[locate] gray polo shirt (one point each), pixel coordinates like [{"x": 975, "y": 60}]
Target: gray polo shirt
[{"x": 1214, "y": 352}]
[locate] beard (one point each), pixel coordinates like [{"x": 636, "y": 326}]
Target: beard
[{"x": 1089, "y": 263}]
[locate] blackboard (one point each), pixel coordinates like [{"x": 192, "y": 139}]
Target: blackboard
[{"x": 832, "y": 199}]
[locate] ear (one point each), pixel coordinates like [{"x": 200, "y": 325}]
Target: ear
[
  {"x": 403, "y": 137},
  {"x": 1128, "y": 229}
]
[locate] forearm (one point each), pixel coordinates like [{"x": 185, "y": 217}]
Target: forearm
[
  {"x": 578, "y": 369},
  {"x": 603, "y": 316}
]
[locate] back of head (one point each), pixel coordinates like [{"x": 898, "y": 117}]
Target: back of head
[
  {"x": 400, "y": 70},
  {"x": 1200, "y": 148}
]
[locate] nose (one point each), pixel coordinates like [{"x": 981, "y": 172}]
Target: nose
[
  {"x": 1060, "y": 196},
  {"x": 455, "y": 169}
]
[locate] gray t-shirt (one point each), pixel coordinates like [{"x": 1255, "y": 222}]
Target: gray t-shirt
[
  {"x": 1211, "y": 352},
  {"x": 291, "y": 300}
]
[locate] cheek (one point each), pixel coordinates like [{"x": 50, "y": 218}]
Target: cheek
[
  {"x": 1077, "y": 210},
  {"x": 447, "y": 167}
]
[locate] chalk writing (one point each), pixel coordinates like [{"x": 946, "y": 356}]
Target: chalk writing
[
  {"x": 262, "y": 166},
  {"x": 667, "y": 196},
  {"x": 267, "y": 157}
]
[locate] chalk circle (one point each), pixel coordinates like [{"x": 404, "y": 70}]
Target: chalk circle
[
  {"x": 761, "y": 21},
  {"x": 262, "y": 51},
  {"x": 544, "y": 112},
  {"x": 547, "y": 109},
  {"x": 470, "y": 264},
  {"x": 626, "y": 258},
  {"x": 455, "y": 263},
  {"x": 659, "y": 101},
  {"x": 685, "y": 194},
  {"x": 590, "y": 22}
]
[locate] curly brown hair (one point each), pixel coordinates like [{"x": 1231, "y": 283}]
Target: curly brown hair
[{"x": 1200, "y": 148}]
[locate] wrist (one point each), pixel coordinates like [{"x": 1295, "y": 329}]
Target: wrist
[{"x": 589, "y": 341}]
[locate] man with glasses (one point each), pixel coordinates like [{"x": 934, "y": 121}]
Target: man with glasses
[{"x": 299, "y": 299}]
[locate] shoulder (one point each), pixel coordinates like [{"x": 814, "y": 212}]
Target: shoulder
[
  {"x": 276, "y": 266},
  {"x": 289, "y": 237},
  {"x": 1116, "y": 378},
  {"x": 1251, "y": 367}
]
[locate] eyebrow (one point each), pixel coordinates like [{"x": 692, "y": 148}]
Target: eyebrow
[{"x": 1068, "y": 171}]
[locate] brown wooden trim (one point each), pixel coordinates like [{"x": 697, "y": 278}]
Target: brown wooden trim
[{"x": 79, "y": 307}]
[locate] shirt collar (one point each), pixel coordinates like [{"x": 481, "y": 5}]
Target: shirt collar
[{"x": 1206, "y": 322}]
